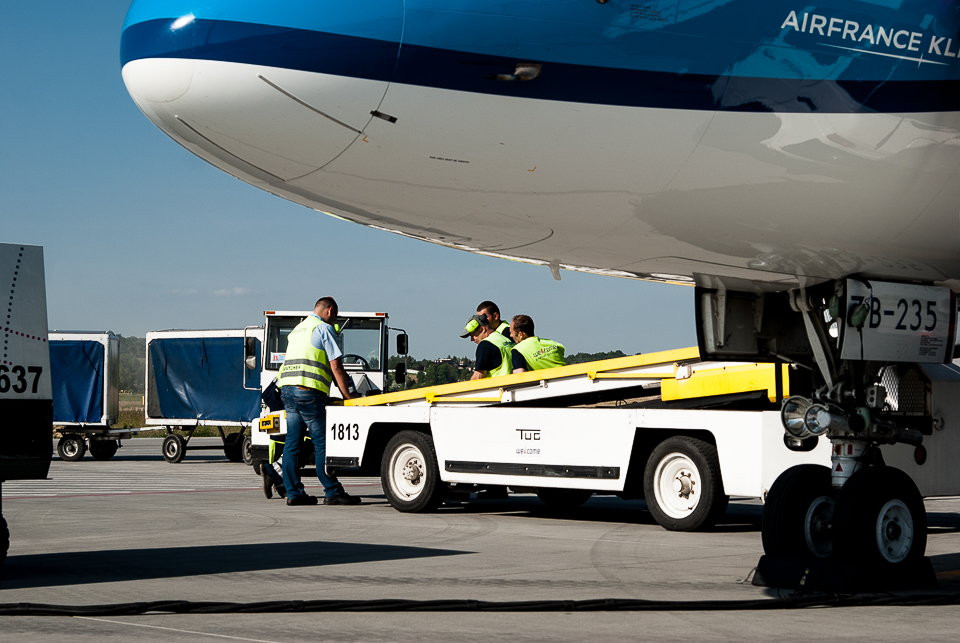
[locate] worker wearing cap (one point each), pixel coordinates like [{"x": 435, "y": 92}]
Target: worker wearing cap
[
  {"x": 493, "y": 349},
  {"x": 532, "y": 353},
  {"x": 492, "y": 311},
  {"x": 313, "y": 360}
]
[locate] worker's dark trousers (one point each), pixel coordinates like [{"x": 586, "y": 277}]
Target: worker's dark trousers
[{"x": 306, "y": 413}]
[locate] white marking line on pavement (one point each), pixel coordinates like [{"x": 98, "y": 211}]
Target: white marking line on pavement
[
  {"x": 173, "y": 629},
  {"x": 79, "y": 489}
]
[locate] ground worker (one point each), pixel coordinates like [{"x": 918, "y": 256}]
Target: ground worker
[
  {"x": 492, "y": 311},
  {"x": 272, "y": 469},
  {"x": 493, "y": 349},
  {"x": 531, "y": 353},
  {"x": 313, "y": 359}
]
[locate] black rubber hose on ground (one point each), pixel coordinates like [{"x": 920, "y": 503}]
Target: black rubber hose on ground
[{"x": 798, "y": 601}]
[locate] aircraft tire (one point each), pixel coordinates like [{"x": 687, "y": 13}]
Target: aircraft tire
[
  {"x": 798, "y": 513},
  {"x": 682, "y": 484},
  {"x": 71, "y": 447},
  {"x": 409, "y": 473},
  {"x": 881, "y": 523},
  {"x": 174, "y": 448}
]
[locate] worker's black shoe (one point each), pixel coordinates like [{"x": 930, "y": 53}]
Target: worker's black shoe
[
  {"x": 342, "y": 498},
  {"x": 301, "y": 500},
  {"x": 268, "y": 486},
  {"x": 281, "y": 490}
]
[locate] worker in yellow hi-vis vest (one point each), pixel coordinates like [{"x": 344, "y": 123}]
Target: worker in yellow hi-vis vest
[
  {"x": 312, "y": 362},
  {"x": 493, "y": 349},
  {"x": 532, "y": 353}
]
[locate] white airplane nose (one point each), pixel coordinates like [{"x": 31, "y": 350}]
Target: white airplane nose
[
  {"x": 282, "y": 122},
  {"x": 270, "y": 103}
]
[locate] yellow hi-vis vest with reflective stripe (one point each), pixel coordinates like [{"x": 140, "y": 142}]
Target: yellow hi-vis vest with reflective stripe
[
  {"x": 541, "y": 353},
  {"x": 505, "y": 346},
  {"x": 305, "y": 365}
]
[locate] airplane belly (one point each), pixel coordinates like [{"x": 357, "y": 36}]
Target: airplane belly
[
  {"x": 688, "y": 142},
  {"x": 504, "y": 175},
  {"x": 819, "y": 196},
  {"x": 658, "y": 193}
]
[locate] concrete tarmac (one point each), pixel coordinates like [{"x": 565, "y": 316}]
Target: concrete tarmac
[{"x": 136, "y": 528}]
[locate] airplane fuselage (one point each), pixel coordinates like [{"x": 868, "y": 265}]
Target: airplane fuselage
[{"x": 757, "y": 144}]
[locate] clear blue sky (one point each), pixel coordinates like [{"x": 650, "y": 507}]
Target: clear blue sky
[{"x": 141, "y": 235}]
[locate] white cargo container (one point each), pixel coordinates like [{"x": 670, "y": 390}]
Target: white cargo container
[
  {"x": 198, "y": 378},
  {"x": 84, "y": 368}
]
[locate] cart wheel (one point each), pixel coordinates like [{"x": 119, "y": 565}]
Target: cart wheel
[
  {"x": 258, "y": 466},
  {"x": 103, "y": 449},
  {"x": 408, "y": 471},
  {"x": 682, "y": 484},
  {"x": 174, "y": 448},
  {"x": 563, "y": 499},
  {"x": 247, "y": 450},
  {"x": 71, "y": 447},
  {"x": 233, "y": 447}
]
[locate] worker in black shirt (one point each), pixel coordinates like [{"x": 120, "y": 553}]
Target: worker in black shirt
[{"x": 493, "y": 349}]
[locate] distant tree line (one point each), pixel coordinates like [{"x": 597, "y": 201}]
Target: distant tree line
[
  {"x": 445, "y": 370},
  {"x": 580, "y": 358}
]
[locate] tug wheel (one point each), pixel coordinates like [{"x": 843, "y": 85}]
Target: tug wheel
[
  {"x": 682, "y": 484},
  {"x": 409, "y": 473}
]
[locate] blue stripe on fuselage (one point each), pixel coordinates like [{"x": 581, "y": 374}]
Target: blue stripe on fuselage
[
  {"x": 376, "y": 19},
  {"x": 371, "y": 58},
  {"x": 256, "y": 44}
]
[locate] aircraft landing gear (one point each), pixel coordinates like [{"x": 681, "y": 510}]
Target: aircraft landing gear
[
  {"x": 875, "y": 354},
  {"x": 798, "y": 515},
  {"x": 869, "y": 534},
  {"x": 880, "y": 522},
  {"x": 862, "y": 525}
]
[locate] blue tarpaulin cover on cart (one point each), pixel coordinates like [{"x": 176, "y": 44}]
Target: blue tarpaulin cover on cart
[
  {"x": 76, "y": 373},
  {"x": 202, "y": 378}
]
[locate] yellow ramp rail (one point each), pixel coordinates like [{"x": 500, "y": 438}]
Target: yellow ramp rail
[{"x": 679, "y": 373}]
